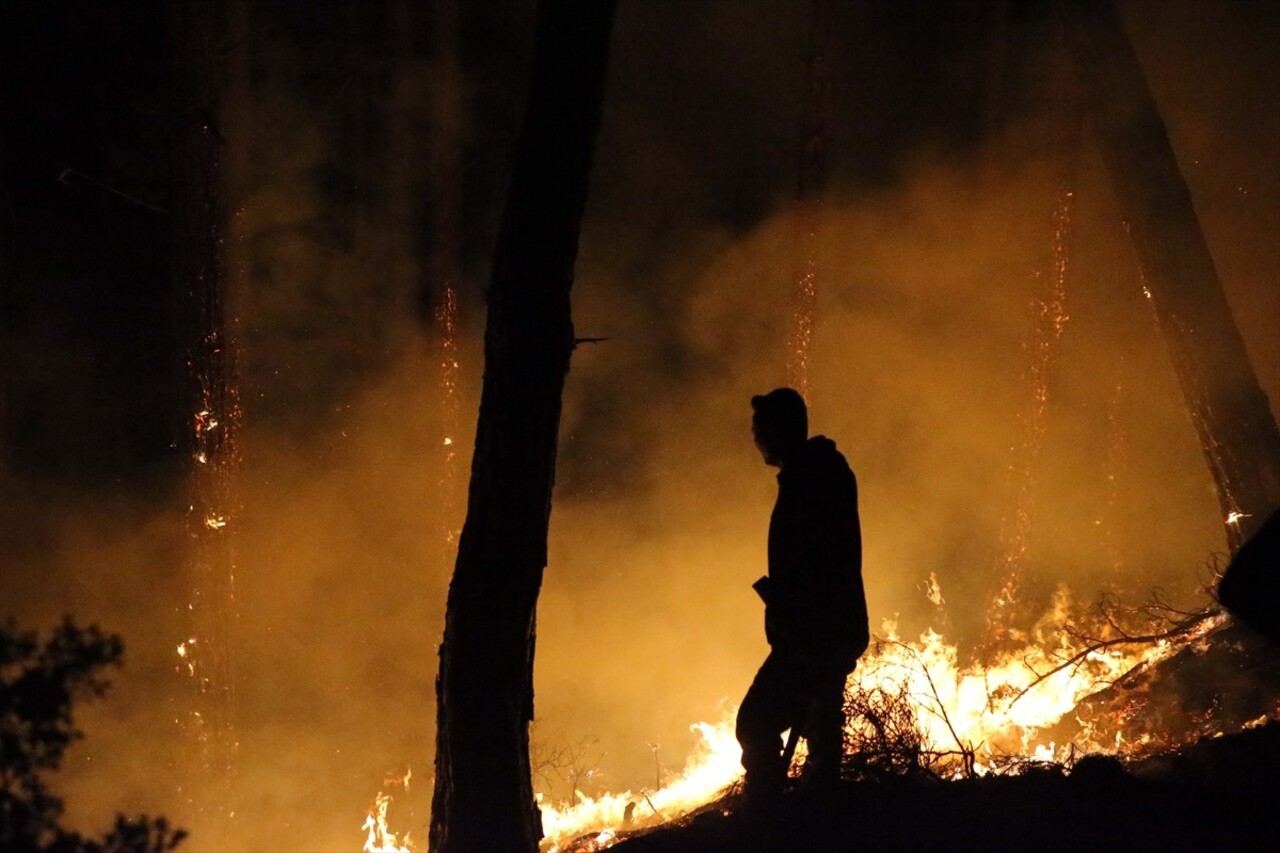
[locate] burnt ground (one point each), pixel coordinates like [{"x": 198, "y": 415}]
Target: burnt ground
[{"x": 1218, "y": 794}]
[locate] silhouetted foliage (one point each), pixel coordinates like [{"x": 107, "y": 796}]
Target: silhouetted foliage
[
  {"x": 39, "y": 682},
  {"x": 882, "y": 738}
]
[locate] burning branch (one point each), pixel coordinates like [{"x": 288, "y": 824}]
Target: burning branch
[{"x": 1157, "y": 611}]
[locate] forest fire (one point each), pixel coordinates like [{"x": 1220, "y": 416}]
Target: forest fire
[
  {"x": 300, "y": 394},
  {"x": 971, "y": 718}
]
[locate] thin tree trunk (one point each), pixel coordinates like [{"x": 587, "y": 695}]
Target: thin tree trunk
[
  {"x": 483, "y": 798},
  {"x": 1231, "y": 414}
]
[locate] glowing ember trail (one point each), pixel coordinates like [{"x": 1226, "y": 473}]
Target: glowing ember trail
[
  {"x": 204, "y": 655},
  {"x": 809, "y": 189},
  {"x": 204, "y": 703},
  {"x": 206, "y": 714},
  {"x": 1050, "y": 324},
  {"x": 447, "y": 321},
  {"x": 804, "y": 298}
]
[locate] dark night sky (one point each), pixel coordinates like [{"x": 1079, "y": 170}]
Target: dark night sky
[{"x": 943, "y": 135}]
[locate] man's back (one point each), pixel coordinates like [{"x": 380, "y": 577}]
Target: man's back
[{"x": 815, "y": 557}]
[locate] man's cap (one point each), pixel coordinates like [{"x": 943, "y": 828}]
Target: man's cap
[{"x": 782, "y": 406}]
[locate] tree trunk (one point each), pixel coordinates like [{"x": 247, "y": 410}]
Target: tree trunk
[
  {"x": 483, "y": 798},
  {"x": 1231, "y": 414}
]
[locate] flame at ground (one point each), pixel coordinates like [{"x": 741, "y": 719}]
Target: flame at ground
[
  {"x": 999, "y": 708},
  {"x": 714, "y": 765},
  {"x": 971, "y": 716},
  {"x": 378, "y": 836},
  {"x": 988, "y": 710}
]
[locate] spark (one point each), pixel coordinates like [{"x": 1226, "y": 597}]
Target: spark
[
  {"x": 205, "y": 422},
  {"x": 1235, "y": 516}
]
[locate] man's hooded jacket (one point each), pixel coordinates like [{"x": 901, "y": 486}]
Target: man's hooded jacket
[{"x": 816, "y": 606}]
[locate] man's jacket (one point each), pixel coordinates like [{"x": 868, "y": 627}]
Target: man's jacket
[{"x": 815, "y": 604}]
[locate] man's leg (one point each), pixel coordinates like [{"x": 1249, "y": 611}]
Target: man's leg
[
  {"x": 825, "y": 730},
  {"x": 772, "y": 704}
]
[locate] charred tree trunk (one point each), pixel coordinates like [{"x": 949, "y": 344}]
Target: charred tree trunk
[
  {"x": 1231, "y": 414},
  {"x": 483, "y": 798}
]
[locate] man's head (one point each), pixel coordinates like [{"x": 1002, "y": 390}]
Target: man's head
[{"x": 780, "y": 424}]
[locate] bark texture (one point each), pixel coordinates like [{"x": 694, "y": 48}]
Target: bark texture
[
  {"x": 483, "y": 799},
  {"x": 1231, "y": 413}
]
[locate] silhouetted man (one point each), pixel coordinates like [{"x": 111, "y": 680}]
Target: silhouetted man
[{"x": 815, "y": 608}]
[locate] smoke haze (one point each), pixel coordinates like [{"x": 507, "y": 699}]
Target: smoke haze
[{"x": 936, "y": 250}]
